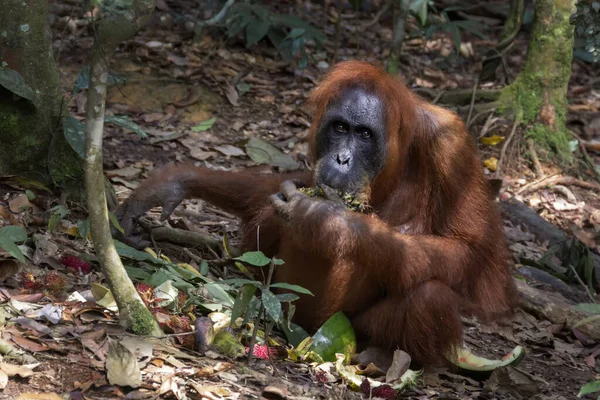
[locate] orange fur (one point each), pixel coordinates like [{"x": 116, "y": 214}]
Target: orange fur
[{"x": 432, "y": 249}]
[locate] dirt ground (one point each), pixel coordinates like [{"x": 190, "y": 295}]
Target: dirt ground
[{"x": 175, "y": 83}]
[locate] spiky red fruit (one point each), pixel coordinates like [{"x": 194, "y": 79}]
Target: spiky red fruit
[
  {"x": 384, "y": 392},
  {"x": 29, "y": 282},
  {"x": 54, "y": 282},
  {"x": 261, "y": 351},
  {"x": 76, "y": 263},
  {"x": 365, "y": 387}
]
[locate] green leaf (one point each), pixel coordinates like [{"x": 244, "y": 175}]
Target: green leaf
[
  {"x": 256, "y": 258},
  {"x": 30, "y": 195},
  {"x": 243, "y": 87},
  {"x": 126, "y": 123},
  {"x": 74, "y": 132},
  {"x": 591, "y": 308},
  {"x": 287, "y": 297},
  {"x": 455, "y": 36},
  {"x": 272, "y": 305},
  {"x": 295, "y": 288},
  {"x": 83, "y": 80},
  {"x": 263, "y": 152},
  {"x": 256, "y": 30},
  {"x": 13, "y": 233},
  {"x": 590, "y": 387},
  {"x": 419, "y": 8},
  {"x": 239, "y": 282},
  {"x": 203, "y": 268},
  {"x": 137, "y": 274},
  {"x": 58, "y": 213},
  {"x": 12, "y": 249},
  {"x": 219, "y": 294},
  {"x": 115, "y": 222},
  {"x": 294, "y": 333},
  {"x": 242, "y": 301},
  {"x": 204, "y": 125},
  {"x": 159, "y": 277},
  {"x": 14, "y": 83},
  {"x": 83, "y": 227},
  {"x": 130, "y": 252}
]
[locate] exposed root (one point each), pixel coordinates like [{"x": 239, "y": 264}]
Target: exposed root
[
  {"x": 557, "y": 179},
  {"x": 534, "y": 158}
]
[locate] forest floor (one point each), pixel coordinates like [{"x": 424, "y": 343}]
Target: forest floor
[{"x": 174, "y": 85}]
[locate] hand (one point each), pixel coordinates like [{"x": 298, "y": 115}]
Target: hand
[
  {"x": 151, "y": 194},
  {"x": 290, "y": 203}
]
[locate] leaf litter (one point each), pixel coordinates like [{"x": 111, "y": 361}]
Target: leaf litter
[{"x": 62, "y": 336}]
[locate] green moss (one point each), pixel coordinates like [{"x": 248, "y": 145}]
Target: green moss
[
  {"x": 143, "y": 321},
  {"x": 555, "y": 142}
]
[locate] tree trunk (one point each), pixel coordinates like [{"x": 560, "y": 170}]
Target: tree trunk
[
  {"x": 538, "y": 97},
  {"x": 33, "y": 143}
]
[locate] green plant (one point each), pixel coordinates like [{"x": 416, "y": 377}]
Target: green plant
[
  {"x": 9, "y": 237},
  {"x": 289, "y": 34},
  {"x": 587, "y": 26},
  {"x": 269, "y": 306},
  {"x": 442, "y": 22}
]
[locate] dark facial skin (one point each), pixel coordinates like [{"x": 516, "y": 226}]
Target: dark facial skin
[{"x": 351, "y": 147}]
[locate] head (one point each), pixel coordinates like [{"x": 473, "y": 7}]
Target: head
[
  {"x": 351, "y": 145},
  {"x": 361, "y": 116}
]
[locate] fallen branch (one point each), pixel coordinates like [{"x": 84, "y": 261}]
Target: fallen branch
[
  {"x": 557, "y": 180},
  {"x": 555, "y": 308},
  {"x": 461, "y": 97},
  {"x": 189, "y": 239}
]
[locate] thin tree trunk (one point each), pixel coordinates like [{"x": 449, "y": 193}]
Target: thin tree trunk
[{"x": 110, "y": 31}]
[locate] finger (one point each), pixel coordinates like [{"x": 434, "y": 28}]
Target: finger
[
  {"x": 168, "y": 209},
  {"x": 277, "y": 201},
  {"x": 288, "y": 189},
  {"x": 331, "y": 194}
]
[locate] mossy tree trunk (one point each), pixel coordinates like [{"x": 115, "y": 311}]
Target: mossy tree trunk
[
  {"x": 33, "y": 143},
  {"x": 538, "y": 97}
]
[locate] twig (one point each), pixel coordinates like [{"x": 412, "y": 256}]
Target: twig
[
  {"x": 472, "y": 105},
  {"x": 586, "y": 156},
  {"x": 217, "y": 18},
  {"x": 378, "y": 16},
  {"x": 260, "y": 312},
  {"x": 558, "y": 180},
  {"x": 503, "y": 151},
  {"x": 583, "y": 285},
  {"x": 534, "y": 158}
]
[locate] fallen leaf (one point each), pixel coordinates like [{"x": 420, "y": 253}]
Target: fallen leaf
[
  {"x": 121, "y": 366},
  {"x": 202, "y": 155},
  {"x": 21, "y": 370},
  {"x": 232, "y": 95},
  {"x": 263, "y": 152},
  {"x": 491, "y": 163},
  {"x": 3, "y": 379},
  {"x": 491, "y": 140},
  {"x": 230, "y": 150}
]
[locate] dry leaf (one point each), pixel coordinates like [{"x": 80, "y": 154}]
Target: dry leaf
[
  {"x": 491, "y": 140},
  {"x": 121, "y": 366},
  {"x": 230, "y": 151},
  {"x": 491, "y": 163}
]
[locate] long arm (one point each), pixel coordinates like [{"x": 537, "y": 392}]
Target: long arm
[{"x": 240, "y": 193}]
